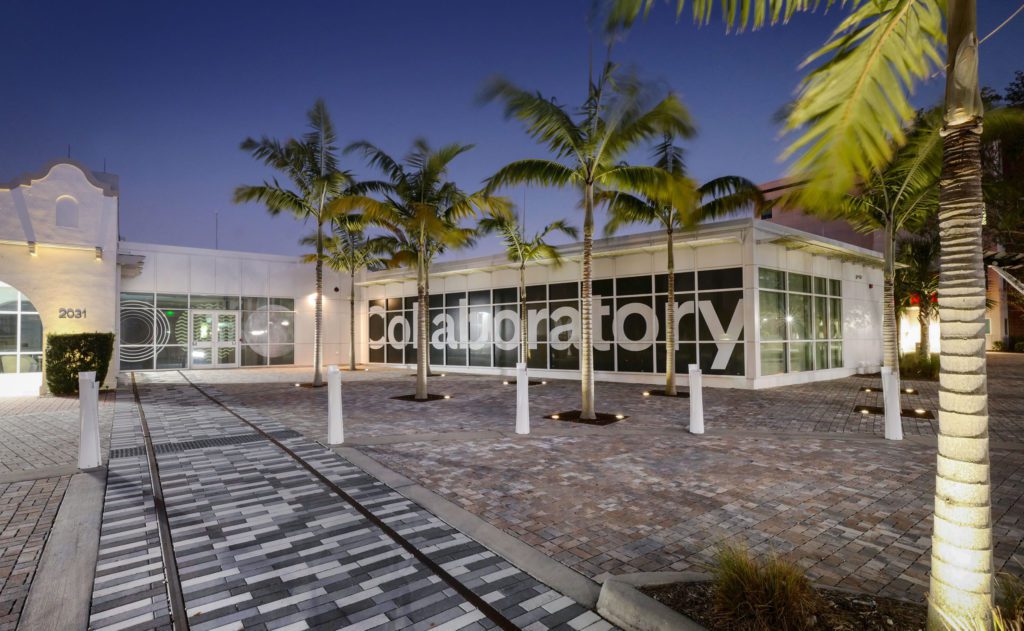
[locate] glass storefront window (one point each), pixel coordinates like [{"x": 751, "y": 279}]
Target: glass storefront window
[
  {"x": 161, "y": 331},
  {"x": 770, "y": 279},
  {"x": 811, "y": 313},
  {"x": 21, "y": 333}
]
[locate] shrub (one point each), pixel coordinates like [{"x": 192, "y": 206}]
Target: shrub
[
  {"x": 69, "y": 354},
  {"x": 750, "y": 595},
  {"x": 1010, "y": 597},
  {"x": 913, "y": 367},
  {"x": 1018, "y": 347},
  {"x": 997, "y": 345}
]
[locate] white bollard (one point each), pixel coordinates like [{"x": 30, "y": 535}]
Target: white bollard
[
  {"x": 335, "y": 426},
  {"x": 89, "y": 421},
  {"x": 522, "y": 400},
  {"x": 891, "y": 401},
  {"x": 696, "y": 401}
]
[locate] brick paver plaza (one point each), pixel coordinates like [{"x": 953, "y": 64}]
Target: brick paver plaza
[{"x": 260, "y": 543}]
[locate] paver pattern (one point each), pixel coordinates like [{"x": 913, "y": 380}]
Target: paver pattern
[
  {"x": 797, "y": 470},
  {"x": 27, "y": 511},
  {"x": 37, "y": 432},
  {"x": 261, "y": 544}
]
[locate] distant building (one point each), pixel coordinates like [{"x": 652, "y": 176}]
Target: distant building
[{"x": 758, "y": 303}]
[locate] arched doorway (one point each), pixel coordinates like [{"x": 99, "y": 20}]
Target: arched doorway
[{"x": 21, "y": 343}]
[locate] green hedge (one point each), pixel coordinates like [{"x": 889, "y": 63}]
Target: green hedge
[{"x": 69, "y": 354}]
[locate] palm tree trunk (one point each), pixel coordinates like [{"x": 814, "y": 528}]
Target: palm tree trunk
[
  {"x": 586, "y": 309},
  {"x": 352, "y": 321},
  {"x": 962, "y": 569},
  {"x": 523, "y": 340},
  {"x": 426, "y": 283},
  {"x": 890, "y": 342},
  {"x": 422, "y": 353},
  {"x": 923, "y": 321},
  {"x": 318, "y": 312},
  {"x": 670, "y": 321}
]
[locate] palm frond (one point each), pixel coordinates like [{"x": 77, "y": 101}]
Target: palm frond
[
  {"x": 736, "y": 14},
  {"x": 274, "y": 197},
  {"x": 852, "y": 109},
  {"x": 726, "y": 195},
  {"x": 532, "y": 171},
  {"x": 545, "y": 121},
  {"x": 625, "y": 209}
]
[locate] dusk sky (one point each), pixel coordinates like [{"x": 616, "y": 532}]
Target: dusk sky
[{"x": 165, "y": 92}]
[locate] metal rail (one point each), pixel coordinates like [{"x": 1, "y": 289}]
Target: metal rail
[
  {"x": 471, "y": 597},
  {"x": 179, "y": 615}
]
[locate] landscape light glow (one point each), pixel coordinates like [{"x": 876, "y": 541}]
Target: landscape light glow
[{"x": 554, "y": 416}]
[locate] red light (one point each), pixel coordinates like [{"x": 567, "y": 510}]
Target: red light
[{"x": 915, "y": 299}]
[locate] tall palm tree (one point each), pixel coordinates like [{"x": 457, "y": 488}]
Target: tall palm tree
[
  {"x": 421, "y": 209},
  {"x": 503, "y": 222},
  {"x": 620, "y": 113},
  {"x": 713, "y": 199},
  {"x": 850, "y": 115},
  {"x": 348, "y": 250},
  {"x": 918, "y": 280},
  {"x": 900, "y": 196},
  {"x": 311, "y": 165}
]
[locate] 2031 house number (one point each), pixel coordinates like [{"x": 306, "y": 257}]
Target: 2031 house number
[{"x": 70, "y": 313}]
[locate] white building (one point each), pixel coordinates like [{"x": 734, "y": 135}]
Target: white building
[{"x": 758, "y": 304}]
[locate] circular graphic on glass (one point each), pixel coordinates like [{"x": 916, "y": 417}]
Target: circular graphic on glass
[
  {"x": 142, "y": 324},
  {"x": 269, "y": 330}
]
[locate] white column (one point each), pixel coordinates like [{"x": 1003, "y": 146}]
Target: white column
[
  {"x": 89, "y": 417},
  {"x": 696, "y": 401},
  {"x": 522, "y": 400},
  {"x": 891, "y": 401},
  {"x": 335, "y": 427}
]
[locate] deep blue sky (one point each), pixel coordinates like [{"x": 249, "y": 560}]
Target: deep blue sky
[{"x": 166, "y": 91}]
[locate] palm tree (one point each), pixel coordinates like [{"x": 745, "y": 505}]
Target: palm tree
[
  {"x": 717, "y": 198},
  {"x": 311, "y": 165},
  {"x": 348, "y": 250},
  {"x": 503, "y": 222},
  {"x": 899, "y": 197},
  {"x": 918, "y": 281},
  {"x": 850, "y": 113},
  {"x": 421, "y": 209},
  {"x": 619, "y": 114}
]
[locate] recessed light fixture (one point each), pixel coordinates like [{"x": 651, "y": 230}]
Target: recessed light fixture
[
  {"x": 543, "y": 383},
  {"x": 32, "y": 248},
  {"x": 447, "y": 396},
  {"x": 910, "y": 391},
  {"x": 646, "y": 393},
  {"x": 505, "y": 382},
  {"x": 867, "y": 389},
  {"x": 554, "y": 416},
  {"x": 864, "y": 411},
  {"x": 297, "y": 385},
  {"x": 442, "y": 374},
  {"x": 919, "y": 410},
  {"x": 619, "y": 416}
]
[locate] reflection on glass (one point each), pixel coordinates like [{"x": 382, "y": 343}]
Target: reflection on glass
[
  {"x": 226, "y": 328},
  {"x": 8, "y": 332},
  {"x": 172, "y": 357},
  {"x": 837, "y": 354},
  {"x": 202, "y": 327},
  {"x": 770, "y": 279},
  {"x": 773, "y": 315},
  {"x": 800, "y": 358},
  {"x": 773, "y": 359},
  {"x": 835, "y": 318},
  {"x": 31, "y": 333},
  {"x": 8, "y": 298},
  {"x": 820, "y": 318},
  {"x": 800, "y": 317},
  {"x": 31, "y": 363},
  {"x": 821, "y": 356},
  {"x": 226, "y": 355},
  {"x": 202, "y": 356}
]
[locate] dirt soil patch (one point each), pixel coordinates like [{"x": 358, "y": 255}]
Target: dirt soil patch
[{"x": 840, "y": 611}]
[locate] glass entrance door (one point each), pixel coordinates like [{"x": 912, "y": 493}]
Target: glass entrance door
[{"x": 214, "y": 339}]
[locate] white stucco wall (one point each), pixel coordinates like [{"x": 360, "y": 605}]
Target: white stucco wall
[{"x": 65, "y": 272}]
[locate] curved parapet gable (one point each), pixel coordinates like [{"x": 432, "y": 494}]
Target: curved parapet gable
[{"x": 107, "y": 183}]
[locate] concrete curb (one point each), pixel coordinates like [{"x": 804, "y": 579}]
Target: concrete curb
[
  {"x": 527, "y": 558},
  {"x": 626, "y": 606},
  {"x": 62, "y": 588}
]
